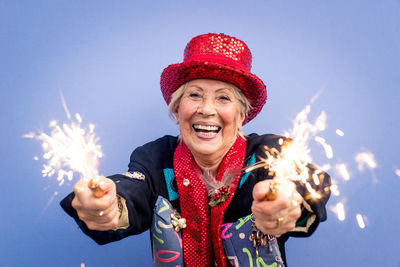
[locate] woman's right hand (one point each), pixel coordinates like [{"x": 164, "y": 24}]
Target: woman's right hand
[{"x": 98, "y": 213}]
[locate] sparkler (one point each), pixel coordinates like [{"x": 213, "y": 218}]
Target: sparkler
[
  {"x": 68, "y": 149},
  {"x": 291, "y": 163}
]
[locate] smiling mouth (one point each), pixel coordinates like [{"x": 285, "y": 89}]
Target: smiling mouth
[{"x": 207, "y": 130}]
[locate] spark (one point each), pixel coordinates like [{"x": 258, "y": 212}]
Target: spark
[
  {"x": 69, "y": 149},
  {"x": 397, "y": 172},
  {"x": 339, "y": 132},
  {"x": 64, "y": 104},
  {"x": 335, "y": 190},
  {"x": 340, "y": 211},
  {"x": 292, "y": 162},
  {"x": 341, "y": 170},
  {"x": 327, "y": 147},
  {"x": 49, "y": 202},
  {"x": 78, "y": 117},
  {"x": 360, "y": 221},
  {"x": 365, "y": 159}
]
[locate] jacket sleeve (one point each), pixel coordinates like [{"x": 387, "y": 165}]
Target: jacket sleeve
[
  {"x": 315, "y": 197},
  {"x": 137, "y": 196},
  {"x": 140, "y": 187}
]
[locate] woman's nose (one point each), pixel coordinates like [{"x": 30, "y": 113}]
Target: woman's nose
[{"x": 207, "y": 107}]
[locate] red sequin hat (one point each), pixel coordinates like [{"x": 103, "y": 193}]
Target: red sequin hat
[{"x": 219, "y": 57}]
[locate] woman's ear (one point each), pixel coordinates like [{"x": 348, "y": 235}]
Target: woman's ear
[
  {"x": 242, "y": 117},
  {"x": 176, "y": 107}
]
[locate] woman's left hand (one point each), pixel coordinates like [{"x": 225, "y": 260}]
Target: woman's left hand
[{"x": 278, "y": 216}]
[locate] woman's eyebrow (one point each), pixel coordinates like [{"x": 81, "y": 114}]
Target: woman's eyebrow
[
  {"x": 196, "y": 86},
  {"x": 216, "y": 90},
  {"x": 224, "y": 88}
]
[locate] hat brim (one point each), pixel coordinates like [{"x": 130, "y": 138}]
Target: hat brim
[{"x": 253, "y": 87}]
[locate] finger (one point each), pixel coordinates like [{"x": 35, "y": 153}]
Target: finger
[
  {"x": 104, "y": 222},
  {"x": 100, "y": 218},
  {"x": 86, "y": 193},
  {"x": 268, "y": 211},
  {"x": 106, "y": 185},
  {"x": 94, "y": 206},
  {"x": 297, "y": 198},
  {"x": 99, "y": 186},
  {"x": 80, "y": 187},
  {"x": 271, "y": 229},
  {"x": 261, "y": 189},
  {"x": 82, "y": 191},
  {"x": 274, "y": 227},
  {"x": 294, "y": 213},
  {"x": 279, "y": 206},
  {"x": 107, "y": 205}
]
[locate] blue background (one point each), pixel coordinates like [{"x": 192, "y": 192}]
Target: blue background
[{"x": 106, "y": 57}]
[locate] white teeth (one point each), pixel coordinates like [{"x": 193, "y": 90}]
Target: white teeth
[
  {"x": 208, "y": 133},
  {"x": 205, "y": 127}
]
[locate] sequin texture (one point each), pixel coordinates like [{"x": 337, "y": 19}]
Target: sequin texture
[
  {"x": 203, "y": 223},
  {"x": 219, "y": 57}
]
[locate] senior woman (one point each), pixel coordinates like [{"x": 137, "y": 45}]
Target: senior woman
[{"x": 191, "y": 191}]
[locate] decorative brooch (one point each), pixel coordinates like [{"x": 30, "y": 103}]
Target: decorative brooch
[
  {"x": 177, "y": 221},
  {"x": 220, "y": 195},
  {"x": 218, "y": 191}
]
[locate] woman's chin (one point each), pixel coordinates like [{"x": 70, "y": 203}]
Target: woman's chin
[{"x": 206, "y": 146}]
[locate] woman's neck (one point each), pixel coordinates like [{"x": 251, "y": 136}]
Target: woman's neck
[
  {"x": 208, "y": 165},
  {"x": 210, "y": 162}
]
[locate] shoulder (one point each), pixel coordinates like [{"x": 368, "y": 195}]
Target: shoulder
[
  {"x": 158, "y": 150},
  {"x": 165, "y": 143},
  {"x": 256, "y": 143}
]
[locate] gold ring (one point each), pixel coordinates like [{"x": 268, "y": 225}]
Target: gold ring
[{"x": 280, "y": 221}]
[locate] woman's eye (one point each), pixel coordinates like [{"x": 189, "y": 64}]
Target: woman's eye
[
  {"x": 224, "y": 98},
  {"x": 195, "y": 95}
]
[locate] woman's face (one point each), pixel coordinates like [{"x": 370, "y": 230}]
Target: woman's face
[{"x": 209, "y": 117}]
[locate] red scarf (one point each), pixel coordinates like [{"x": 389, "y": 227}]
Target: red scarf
[{"x": 203, "y": 222}]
